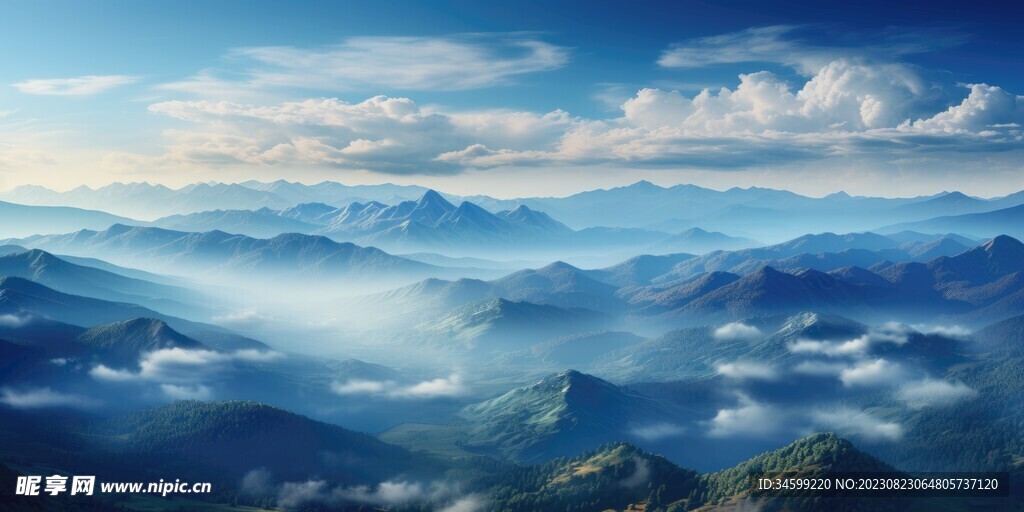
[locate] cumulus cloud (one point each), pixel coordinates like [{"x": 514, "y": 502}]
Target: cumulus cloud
[
  {"x": 745, "y": 370},
  {"x": 78, "y": 86},
  {"x": 878, "y": 372},
  {"x": 747, "y": 419},
  {"x": 986, "y": 109},
  {"x": 737, "y": 331},
  {"x": 657, "y": 431},
  {"x": 934, "y": 393},
  {"x": 441, "y": 387},
  {"x": 34, "y": 398},
  {"x": 404, "y": 63},
  {"x": 853, "y": 422},
  {"x": 853, "y": 101}
]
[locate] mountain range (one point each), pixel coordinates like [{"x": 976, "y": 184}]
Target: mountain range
[
  {"x": 26, "y": 303},
  {"x": 17, "y": 220},
  {"x": 289, "y": 255},
  {"x": 761, "y": 213}
]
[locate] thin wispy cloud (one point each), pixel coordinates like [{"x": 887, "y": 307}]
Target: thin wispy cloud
[
  {"x": 934, "y": 393},
  {"x": 44, "y": 397},
  {"x": 448, "y": 63},
  {"x": 853, "y": 422},
  {"x": 806, "y": 48},
  {"x": 77, "y": 86}
]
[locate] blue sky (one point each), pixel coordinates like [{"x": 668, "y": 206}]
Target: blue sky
[{"x": 515, "y": 98}]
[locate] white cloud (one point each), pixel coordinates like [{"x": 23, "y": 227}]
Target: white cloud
[
  {"x": 985, "y": 110},
  {"x": 889, "y": 333},
  {"x": 471, "y": 503},
  {"x": 391, "y": 135},
  {"x": 745, "y": 370},
  {"x": 294, "y": 494},
  {"x": 748, "y": 419},
  {"x": 13, "y": 321},
  {"x": 361, "y": 387},
  {"x": 78, "y": 86},
  {"x": 872, "y": 373},
  {"x": 855, "y": 103},
  {"x": 934, "y": 393},
  {"x": 641, "y": 475},
  {"x": 737, "y": 331},
  {"x": 186, "y": 392},
  {"x": 182, "y": 373},
  {"x": 819, "y": 368},
  {"x": 257, "y": 482},
  {"x": 390, "y": 493},
  {"x": 403, "y": 63},
  {"x": 949, "y": 331},
  {"x": 854, "y": 422},
  {"x": 245, "y": 318},
  {"x": 657, "y": 431},
  {"x": 441, "y": 387},
  {"x": 33, "y": 398},
  {"x": 790, "y": 45}
]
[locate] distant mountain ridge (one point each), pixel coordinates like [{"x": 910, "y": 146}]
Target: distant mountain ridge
[
  {"x": 767, "y": 213},
  {"x": 17, "y": 220},
  {"x": 291, "y": 254},
  {"x": 976, "y": 285}
]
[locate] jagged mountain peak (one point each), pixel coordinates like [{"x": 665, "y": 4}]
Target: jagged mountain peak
[
  {"x": 432, "y": 197},
  {"x": 1004, "y": 244}
]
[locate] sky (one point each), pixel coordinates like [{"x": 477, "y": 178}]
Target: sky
[{"x": 516, "y": 98}]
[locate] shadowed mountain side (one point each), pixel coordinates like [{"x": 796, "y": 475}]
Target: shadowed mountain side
[
  {"x": 17, "y": 220},
  {"x": 1007, "y": 221},
  {"x": 499, "y": 325},
  {"x": 26, "y": 301},
  {"x": 225, "y": 440},
  {"x": 63, "y": 275},
  {"x": 292, "y": 256},
  {"x": 559, "y": 415}
]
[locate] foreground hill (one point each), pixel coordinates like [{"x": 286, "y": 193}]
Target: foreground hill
[
  {"x": 499, "y": 325},
  {"x": 228, "y": 439},
  {"x": 621, "y": 477},
  {"x": 557, "y": 416}
]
